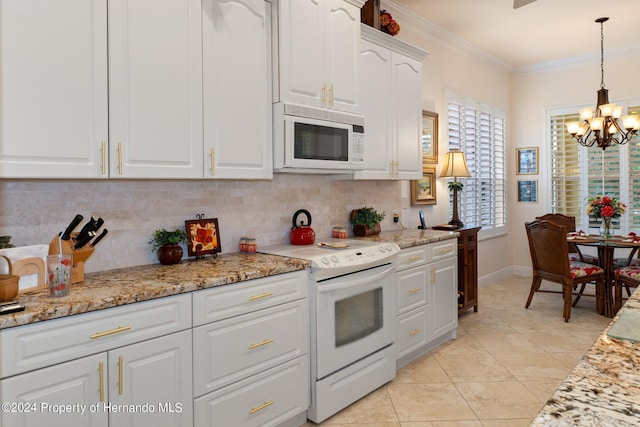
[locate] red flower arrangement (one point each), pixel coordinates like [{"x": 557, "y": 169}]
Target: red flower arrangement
[
  {"x": 388, "y": 24},
  {"x": 605, "y": 207}
]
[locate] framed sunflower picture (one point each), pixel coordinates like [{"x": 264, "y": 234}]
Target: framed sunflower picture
[{"x": 203, "y": 237}]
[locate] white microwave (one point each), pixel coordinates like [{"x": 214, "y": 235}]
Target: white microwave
[{"x": 313, "y": 140}]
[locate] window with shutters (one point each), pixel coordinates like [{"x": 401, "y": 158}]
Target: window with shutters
[
  {"x": 579, "y": 172},
  {"x": 478, "y": 130}
]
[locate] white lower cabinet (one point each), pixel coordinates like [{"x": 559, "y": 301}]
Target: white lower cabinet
[
  {"x": 251, "y": 352},
  {"x": 426, "y": 304},
  {"x": 126, "y": 366}
]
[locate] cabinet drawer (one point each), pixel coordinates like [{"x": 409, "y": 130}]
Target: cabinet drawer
[
  {"x": 412, "y": 289},
  {"x": 412, "y": 331},
  {"x": 444, "y": 249},
  {"x": 265, "y": 399},
  {"x": 412, "y": 257},
  {"x": 227, "y": 301},
  {"x": 29, "y": 347},
  {"x": 235, "y": 348}
]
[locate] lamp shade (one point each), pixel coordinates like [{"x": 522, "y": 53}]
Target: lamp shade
[{"x": 455, "y": 165}]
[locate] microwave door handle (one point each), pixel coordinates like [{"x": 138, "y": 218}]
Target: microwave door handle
[{"x": 357, "y": 282}]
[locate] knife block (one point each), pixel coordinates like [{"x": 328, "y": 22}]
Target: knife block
[{"x": 79, "y": 255}]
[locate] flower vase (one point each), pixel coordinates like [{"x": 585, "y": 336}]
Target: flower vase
[{"x": 605, "y": 230}]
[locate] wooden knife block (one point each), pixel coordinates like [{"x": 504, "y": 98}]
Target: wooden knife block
[{"x": 79, "y": 255}]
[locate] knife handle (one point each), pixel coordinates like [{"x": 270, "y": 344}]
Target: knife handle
[
  {"x": 100, "y": 237},
  {"x": 66, "y": 235},
  {"x": 80, "y": 243}
]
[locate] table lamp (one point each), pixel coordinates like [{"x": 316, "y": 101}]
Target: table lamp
[{"x": 455, "y": 166}]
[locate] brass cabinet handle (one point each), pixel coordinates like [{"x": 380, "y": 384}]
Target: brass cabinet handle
[
  {"x": 415, "y": 258},
  {"x": 414, "y": 290},
  {"x": 120, "y": 381},
  {"x": 433, "y": 275},
  {"x": 110, "y": 332},
  {"x": 212, "y": 155},
  {"x": 260, "y": 344},
  {"x": 101, "y": 374},
  {"x": 446, "y": 250},
  {"x": 324, "y": 94},
  {"x": 331, "y": 96},
  {"x": 262, "y": 295},
  {"x": 415, "y": 331},
  {"x": 261, "y": 407},
  {"x": 103, "y": 150},
  {"x": 119, "y": 158}
]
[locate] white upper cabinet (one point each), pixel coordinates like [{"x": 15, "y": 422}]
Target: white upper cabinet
[
  {"x": 390, "y": 92},
  {"x": 237, "y": 89},
  {"x": 155, "y": 88},
  {"x": 53, "y": 89},
  {"x": 317, "y": 53}
]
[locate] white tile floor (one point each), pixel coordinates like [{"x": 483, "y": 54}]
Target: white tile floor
[{"x": 505, "y": 364}]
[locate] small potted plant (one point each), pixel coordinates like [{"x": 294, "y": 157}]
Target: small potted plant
[
  {"x": 366, "y": 221},
  {"x": 167, "y": 243}
]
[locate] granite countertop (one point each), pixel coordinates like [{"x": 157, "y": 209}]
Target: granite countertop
[
  {"x": 406, "y": 238},
  {"x": 604, "y": 387},
  {"x": 113, "y": 288}
]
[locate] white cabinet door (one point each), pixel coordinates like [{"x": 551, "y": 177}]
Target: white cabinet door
[
  {"x": 156, "y": 372},
  {"x": 407, "y": 116},
  {"x": 237, "y": 89},
  {"x": 444, "y": 295},
  {"x": 342, "y": 35},
  {"x": 155, "y": 88},
  {"x": 374, "y": 95},
  {"x": 318, "y": 47},
  {"x": 80, "y": 384},
  {"x": 53, "y": 89}
]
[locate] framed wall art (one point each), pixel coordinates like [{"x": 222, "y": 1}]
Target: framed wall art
[
  {"x": 527, "y": 161},
  {"x": 423, "y": 191},
  {"x": 429, "y": 138},
  {"x": 203, "y": 236},
  {"x": 528, "y": 191}
]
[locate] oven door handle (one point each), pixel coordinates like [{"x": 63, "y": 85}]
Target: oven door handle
[{"x": 368, "y": 278}]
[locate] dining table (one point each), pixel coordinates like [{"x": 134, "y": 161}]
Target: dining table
[{"x": 606, "y": 260}]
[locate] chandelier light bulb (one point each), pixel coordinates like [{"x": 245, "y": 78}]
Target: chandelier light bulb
[
  {"x": 629, "y": 122},
  {"x": 617, "y": 112},
  {"x": 573, "y": 127},
  {"x": 585, "y": 113},
  {"x": 597, "y": 123}
]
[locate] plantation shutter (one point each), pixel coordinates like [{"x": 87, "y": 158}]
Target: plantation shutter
[
  {"x": 479, "y": 131},
  {"x": 633, "y": 196}
]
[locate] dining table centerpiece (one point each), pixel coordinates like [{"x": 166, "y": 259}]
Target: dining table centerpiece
[{"x": 605, "y": 208}]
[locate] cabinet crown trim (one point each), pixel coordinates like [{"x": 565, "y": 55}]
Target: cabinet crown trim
[{"x": 385, "y": 40}]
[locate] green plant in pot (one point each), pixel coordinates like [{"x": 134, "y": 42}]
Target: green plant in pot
[
  {"x": 167, "y": 243},
  {"x": 366, "y": 221}
]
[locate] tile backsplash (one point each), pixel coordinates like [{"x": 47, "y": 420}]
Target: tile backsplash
[{"x": 34, "y": 211}]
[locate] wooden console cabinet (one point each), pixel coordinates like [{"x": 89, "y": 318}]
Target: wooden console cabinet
[{"x": 467, "y": 267}]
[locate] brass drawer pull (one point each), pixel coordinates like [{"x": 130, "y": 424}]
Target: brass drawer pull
[
  {"x": 120, "y": 380},
  {"x": 414, "y": 290},
  {"x": 415, "y": 258},
  {"x": 101, "y": 373},
  {"x": 110, "y": 332},
  {"x": 262, "y": 295},
  {"x": 446, "y": 250},
  {"x": 415, "y": 331},
  {"x": 261, "y": 407},
  {"x": 260, "y": 344}
]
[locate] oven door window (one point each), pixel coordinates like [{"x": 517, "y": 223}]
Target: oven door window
[
  {"x": 314, "y": 142},
  {"x": 358, "y": 316}
]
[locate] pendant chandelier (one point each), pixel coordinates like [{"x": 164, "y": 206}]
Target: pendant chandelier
[{"x": 603, "y": 126}]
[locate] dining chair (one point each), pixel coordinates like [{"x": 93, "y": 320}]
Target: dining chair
[
  {"x": 570, "y": 222},
  {"x": 550, "y": 261},
  {"x": 629, "y": 277}
]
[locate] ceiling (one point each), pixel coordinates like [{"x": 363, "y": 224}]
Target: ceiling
[{"x": 540, "y": 32}]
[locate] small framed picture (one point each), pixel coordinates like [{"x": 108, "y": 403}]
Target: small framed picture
[
  {"x": 423, "y": 191},
  {"x": 528, "y": 191},
  {"x": 527, "y": 161},
  {"x": 429, "y": 138},
  {"x": 203, "y": 237}
]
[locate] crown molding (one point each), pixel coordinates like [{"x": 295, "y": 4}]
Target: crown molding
[{"x": 464, "y": 46}]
